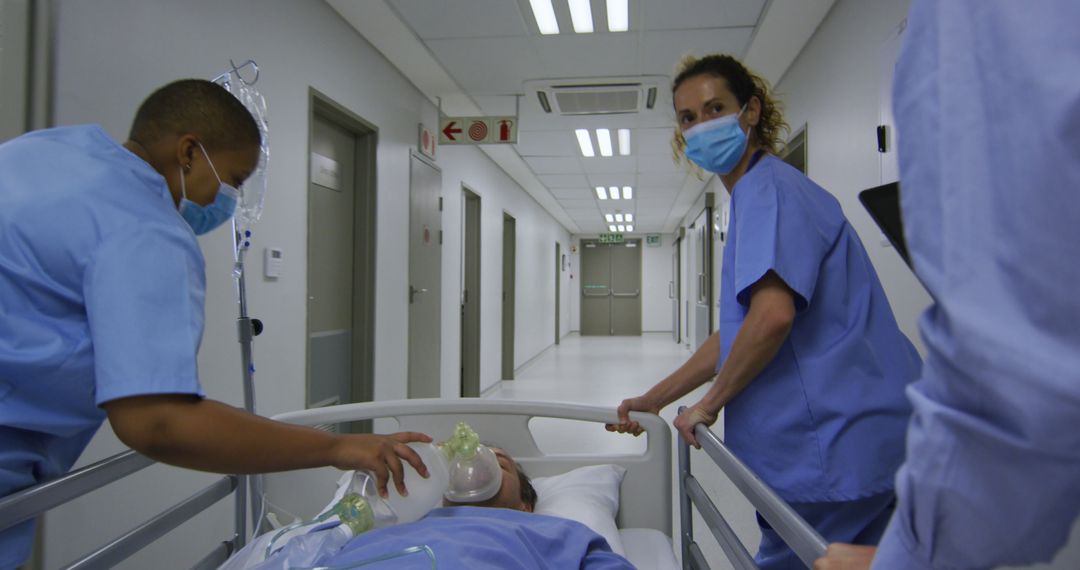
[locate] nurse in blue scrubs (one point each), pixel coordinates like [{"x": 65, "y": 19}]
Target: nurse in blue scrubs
[
  {"x": 102, "y": 286},
  {"x": 809, "y": 363}
]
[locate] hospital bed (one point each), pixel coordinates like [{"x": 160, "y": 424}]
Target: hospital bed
[{"x": 644, "y": 515}]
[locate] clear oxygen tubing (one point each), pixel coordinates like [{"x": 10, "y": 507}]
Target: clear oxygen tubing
[{"x": 421, "y": 549}]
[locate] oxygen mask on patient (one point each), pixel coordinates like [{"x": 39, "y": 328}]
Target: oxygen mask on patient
[
  {"x": 473, "y": 469},
  {"x": 461, "y": 470}
]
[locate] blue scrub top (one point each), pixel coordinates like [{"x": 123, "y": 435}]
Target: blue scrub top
[
  {"x": 101, "y": 290},
  {"x": 987, "y": 105},
  {"x": 825, "y": 420}
]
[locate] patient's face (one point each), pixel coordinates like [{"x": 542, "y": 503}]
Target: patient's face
[{"x": 509, "y": 496}]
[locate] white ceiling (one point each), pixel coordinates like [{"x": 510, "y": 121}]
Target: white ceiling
[{"x": 487, "y": 56}]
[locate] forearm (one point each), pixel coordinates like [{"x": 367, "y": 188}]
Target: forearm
[
  {"x": 756, "y": 344},
  {"x": 700, "y": 368},
  {"x": 211, "y": 436}
]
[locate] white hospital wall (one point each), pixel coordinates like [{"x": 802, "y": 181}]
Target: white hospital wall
[
  {"x": 112, "y": 53},
  {"x": 656, "y": 274},
  {"x": 833, "y": 88},
  {"x": 536, "y": 235}
]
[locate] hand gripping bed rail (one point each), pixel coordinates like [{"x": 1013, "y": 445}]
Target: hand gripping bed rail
[{"x": 807, "y": 544}]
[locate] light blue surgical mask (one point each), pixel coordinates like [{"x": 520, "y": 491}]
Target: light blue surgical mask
[
  {"x": 717, "y": 145},
  {"x": 203, "y": 219}
]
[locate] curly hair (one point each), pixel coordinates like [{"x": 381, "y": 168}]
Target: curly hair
[{"x": 744, "y": 84}]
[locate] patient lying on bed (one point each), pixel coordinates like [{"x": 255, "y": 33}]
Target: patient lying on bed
[{"x": 498, "y": 533}]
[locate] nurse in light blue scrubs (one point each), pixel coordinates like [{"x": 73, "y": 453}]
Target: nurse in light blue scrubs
[
  {"x": 101, "y": 295},
  {"x": 987, "y": 105},
  {"x": 809, "y": 362}
]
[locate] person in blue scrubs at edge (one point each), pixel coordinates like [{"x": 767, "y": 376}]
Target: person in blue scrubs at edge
[
  {"x": 987, "y": 105},
  {"x": 102, "y": 286},
  {"x": 810, "y": 364}
]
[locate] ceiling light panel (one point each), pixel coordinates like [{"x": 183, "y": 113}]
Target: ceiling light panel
[
  {"x": 618, "y": 15},
  {"x": 581, "y": 16},
  {"x": 614, "y": 191},
  {"x": 601, "y": 193},
  {"x": 545, "y": 16},
  {"x": 624, "y": 142},
  {"x": 628, "y": 193},
  {"x": 603, "y": 141},
  {"x": 585, "y": 142},
  {"x": 609, "y": 218}
]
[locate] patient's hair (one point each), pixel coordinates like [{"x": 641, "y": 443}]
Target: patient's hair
[
  {"x": 528, "y": 492},
  {"x": 199, "y": 107}
]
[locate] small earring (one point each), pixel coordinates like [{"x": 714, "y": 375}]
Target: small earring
[{"x": 187, "y": 166}]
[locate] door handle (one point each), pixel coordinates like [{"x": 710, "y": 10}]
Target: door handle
[
  {"x": 634, "y": 294},
  {"x": 670, "y": 289},
  {"x": 413, "y": 292}
]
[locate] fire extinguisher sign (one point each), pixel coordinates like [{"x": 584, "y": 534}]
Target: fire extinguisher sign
[{"x": 478, "y": 130}]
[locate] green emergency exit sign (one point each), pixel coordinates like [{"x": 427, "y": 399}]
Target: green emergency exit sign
[{"x": 611, "y": 238}]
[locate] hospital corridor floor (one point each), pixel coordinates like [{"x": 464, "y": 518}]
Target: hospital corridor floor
[{"x": 602, "y": 371}]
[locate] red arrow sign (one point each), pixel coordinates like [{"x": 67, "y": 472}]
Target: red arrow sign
[{"x": 449, "y": 131}]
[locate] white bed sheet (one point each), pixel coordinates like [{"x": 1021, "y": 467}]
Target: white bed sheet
[{"x": 649, "y": 549}]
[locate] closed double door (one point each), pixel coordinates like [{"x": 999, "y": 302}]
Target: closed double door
[{"x": 611, "y": 288}]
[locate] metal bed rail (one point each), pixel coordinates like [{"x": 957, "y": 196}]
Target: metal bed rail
[
  {"x": 806, "y": 542},
  {"x": 29, "y": 503}
]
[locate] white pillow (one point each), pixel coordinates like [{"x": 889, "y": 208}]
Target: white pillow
[{"x": 588, "y": 495}]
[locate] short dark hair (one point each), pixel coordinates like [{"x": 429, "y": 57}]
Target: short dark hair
[
  {"x": 528, "y": 492},
  {"x": 200, "y": 107}
]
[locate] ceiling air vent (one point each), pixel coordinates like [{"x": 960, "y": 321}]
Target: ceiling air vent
[
  {"x": 609, "y": 96},
  {"x": 597, "y": 99}
]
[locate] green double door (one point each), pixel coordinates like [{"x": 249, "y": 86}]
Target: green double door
[{"x": 611, "y": 288}]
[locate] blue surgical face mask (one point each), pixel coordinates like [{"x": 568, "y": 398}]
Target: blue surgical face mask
[
  {"x": 717, "y": 145},
  {"x": 203, "y": 219}
]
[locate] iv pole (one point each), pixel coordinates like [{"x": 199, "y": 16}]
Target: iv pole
[{"x": 247, "y": 329}]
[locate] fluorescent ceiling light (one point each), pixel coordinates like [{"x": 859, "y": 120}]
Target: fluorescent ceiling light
[
  {"x": 624, "y": 142},
  {"x": 601, "y": 193},
  {"x": 618, "y": 15},
  {"x": 627, "y": 192},
  {"x": 581, "y": 16},
  {"x": 629, "y": 217},
  {"x": 609, "y": 218},
  {"x": 613, "y": 229},
  {"x": 585, "y": 142},
  {"x": 629, "y": 228},
  {"x": 622, "y": 228},
  {"x": 618, "y": 218},
  {"x": 603, "y": 140},
  {"x": 545, "y": 16},
  {"x": 614, "y": 192}
]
